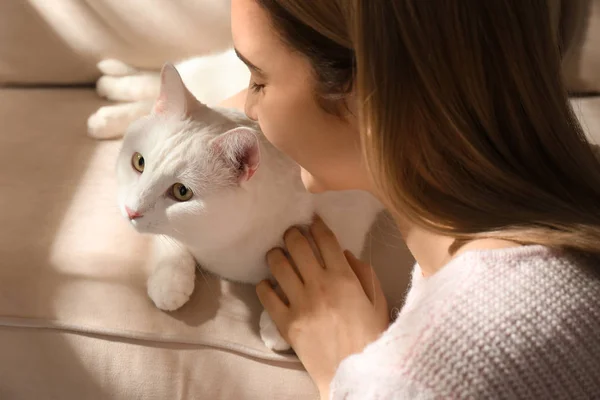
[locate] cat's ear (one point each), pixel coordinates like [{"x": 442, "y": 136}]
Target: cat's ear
[
  {"x": 174, "y": 98},
  {"x": 240, "y": 148}
]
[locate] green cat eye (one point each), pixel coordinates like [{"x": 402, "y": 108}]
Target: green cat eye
[
  {"x": 181, "y": 192},
  {"x": 137, "y": 161}
]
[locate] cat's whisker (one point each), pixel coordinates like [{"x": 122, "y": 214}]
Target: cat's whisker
[
  {"x": 208, "y": 285},
  {"x": 177, "y": 231}
]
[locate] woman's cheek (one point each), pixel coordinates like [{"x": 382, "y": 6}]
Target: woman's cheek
[
  {"x": 276, "y": 128},
  {"x": 274, "y": 133},
  {"x": 286, "y": 122}
]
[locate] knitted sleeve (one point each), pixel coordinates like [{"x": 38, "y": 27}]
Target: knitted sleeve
[
  {"x": 508, "y": 323},
  {"x": 361, "y": 377}
]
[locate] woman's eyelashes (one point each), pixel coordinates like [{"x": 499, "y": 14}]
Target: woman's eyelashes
[{"x": 255, "y": 87}]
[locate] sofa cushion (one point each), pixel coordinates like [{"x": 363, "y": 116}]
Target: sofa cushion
[{"x": 60, "y": 41}]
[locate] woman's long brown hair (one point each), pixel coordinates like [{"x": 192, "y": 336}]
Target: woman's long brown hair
[{"x": 465, "y": 122}]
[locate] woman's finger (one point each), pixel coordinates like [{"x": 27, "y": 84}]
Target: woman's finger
[
  {"x": 284, "y": 274},
  {"x": 328, "y": 245},
  {"x": 302, "y": 254},
  {"x": 272, "y": 302},
  {"x": 277, "y": 288},
  {"x": 368, "y": 280}
]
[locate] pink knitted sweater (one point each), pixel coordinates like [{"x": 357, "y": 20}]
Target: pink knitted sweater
[{"x": 518, "y": 323}]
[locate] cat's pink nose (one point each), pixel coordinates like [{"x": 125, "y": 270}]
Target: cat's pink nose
[{"x": 132, "y": 214}]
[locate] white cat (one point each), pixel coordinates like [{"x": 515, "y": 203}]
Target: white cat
[
  {"x": 211, "y": 78},
  {"x": 206, "y": 179}
]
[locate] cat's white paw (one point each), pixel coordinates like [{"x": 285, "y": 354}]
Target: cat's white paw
[
  {"x": 170, "y": 288},
  {"x": 107, "y": 123},
  {"x": 142, "y": 86},
  {"x": 113, "y": 67},
  {"x": 270, "y": 334},
  {"x": 111, "y": 122}
]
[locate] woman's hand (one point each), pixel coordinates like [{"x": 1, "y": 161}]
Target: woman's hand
[{"x": 336, "y": 305}]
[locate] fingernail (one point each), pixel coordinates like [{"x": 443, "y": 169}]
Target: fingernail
[
  {"x": 259, "y": 285},
  {"x": 293, "y": 228}
]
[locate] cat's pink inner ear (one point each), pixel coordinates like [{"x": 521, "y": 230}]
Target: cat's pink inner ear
[
  {"x": 160, "y": 106},
  {"x": 173, "y": 97},
  {"x": 251, "y": 161},
  {"x": 240, "y": 147}
]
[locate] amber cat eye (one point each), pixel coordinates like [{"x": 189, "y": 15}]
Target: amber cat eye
[
  {"x": 181, "y": 192},
  {"x": 137, "y": 161}
]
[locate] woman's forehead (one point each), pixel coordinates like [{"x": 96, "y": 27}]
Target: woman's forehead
[
  {"x": 251, "y": 27},
  {"x": 256, "y": 40}
]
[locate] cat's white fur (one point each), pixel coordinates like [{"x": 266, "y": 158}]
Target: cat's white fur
[
  {"x": 246, "y": 194},
  {"x": 211, "y": 78}
]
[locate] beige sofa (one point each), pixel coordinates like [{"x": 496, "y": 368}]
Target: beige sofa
[{"x": 75, "y": 320}]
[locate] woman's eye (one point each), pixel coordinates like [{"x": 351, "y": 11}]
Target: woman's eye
[
  {"x": 181, "y": 192},
  {"x": 137, "y": 161},
  {"x": 256, "y": 87}
]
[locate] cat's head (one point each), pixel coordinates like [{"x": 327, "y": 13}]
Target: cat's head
[{"x": 184, "y": 164}]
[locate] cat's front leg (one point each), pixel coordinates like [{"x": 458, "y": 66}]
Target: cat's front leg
[
  {"x": 135, "y": 90},
  {"x": 172, "y": 281},
  {"x": 122, "y": 82},
  {"x": 111, "y": 122},
  {"x": 270, "y": 334}
]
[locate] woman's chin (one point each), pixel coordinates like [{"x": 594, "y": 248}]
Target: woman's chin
[{"x": 311, "y": 183}]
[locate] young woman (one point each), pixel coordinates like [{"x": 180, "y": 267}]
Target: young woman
[{"x": 454, "y": 114}]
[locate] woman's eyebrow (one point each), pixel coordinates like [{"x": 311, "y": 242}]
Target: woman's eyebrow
[{"x": 248, "y": 63}]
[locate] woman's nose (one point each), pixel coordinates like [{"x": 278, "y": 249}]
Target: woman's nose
[{"x": 250, "y": 107}]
